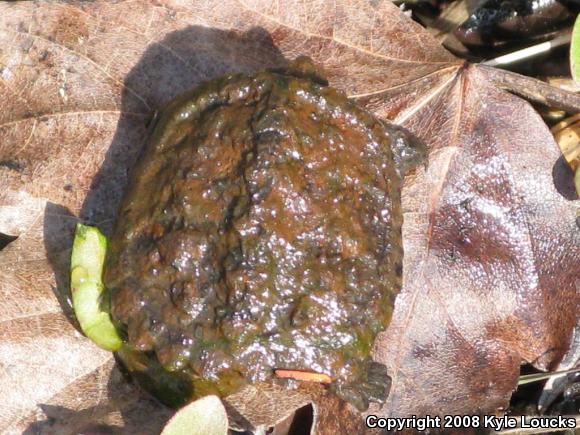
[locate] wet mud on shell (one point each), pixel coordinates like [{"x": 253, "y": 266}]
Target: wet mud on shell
[{"x": 261, "y": 230}]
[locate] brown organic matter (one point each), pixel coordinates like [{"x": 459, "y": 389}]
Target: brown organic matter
[
  {"x": 261, "y": 230},
  {"x": 490, "y": 234}
]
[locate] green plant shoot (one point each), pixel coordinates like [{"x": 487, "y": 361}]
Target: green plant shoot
[{"x": 87, "y": 260}]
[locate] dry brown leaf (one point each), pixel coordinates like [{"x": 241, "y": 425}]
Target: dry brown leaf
[
  {"x": 491, "y": 249},
  {"x": 491, "y": 244},
  {"x": 567, "y": 135}
]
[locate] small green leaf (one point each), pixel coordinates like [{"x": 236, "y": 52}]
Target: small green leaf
[
  {"x": 575, "y": 51},
  {"x": 206, "y": 416},
  {"x": 577, "y": 180},
  {"x": 87, "y": 261}
]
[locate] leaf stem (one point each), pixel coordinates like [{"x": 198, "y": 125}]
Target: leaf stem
[{"x": 533, "y": 89}]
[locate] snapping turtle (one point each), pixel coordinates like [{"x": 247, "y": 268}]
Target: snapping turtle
[{"x": 261, "y": 230}]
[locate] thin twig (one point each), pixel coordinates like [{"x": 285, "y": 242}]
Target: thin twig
[
  {"x": 533, "y": 89},
  {"x": 535, "y": 377},
  {"x": 530, "y": 52},
  {"x": 301, "y": 375}
]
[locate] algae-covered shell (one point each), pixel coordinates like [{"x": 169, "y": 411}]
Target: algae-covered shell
[{"x": 261, "y": 231}]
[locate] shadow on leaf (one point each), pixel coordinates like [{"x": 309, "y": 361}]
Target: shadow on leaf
[
  {"x": 563, "y": 177},
  {"x": 58, "y": 231},
  {"x": 179, "y": 62}
]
